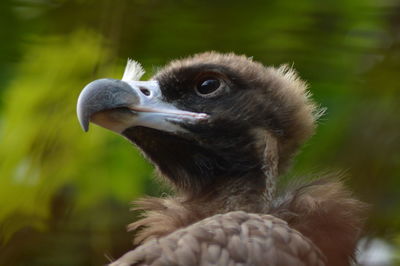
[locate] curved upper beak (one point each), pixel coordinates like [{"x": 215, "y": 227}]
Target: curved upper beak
[{"x": 119, "y": 105}]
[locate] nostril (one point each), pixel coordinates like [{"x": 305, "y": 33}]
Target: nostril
[{"x": 145, "y": 91}]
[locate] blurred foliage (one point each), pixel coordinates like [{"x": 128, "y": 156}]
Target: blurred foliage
[{"x": 65, "y": 195}]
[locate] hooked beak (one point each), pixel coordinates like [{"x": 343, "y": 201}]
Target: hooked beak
[{"x": 118, "y": 105}]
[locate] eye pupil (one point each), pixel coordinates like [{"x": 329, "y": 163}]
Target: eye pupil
[{"x": 208, "y": 86}]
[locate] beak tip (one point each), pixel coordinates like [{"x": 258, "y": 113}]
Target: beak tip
[
  {"x": 84, "y": 124},
  {"x": 83, "y": 120},
  {"x": 82, "y": 112}
]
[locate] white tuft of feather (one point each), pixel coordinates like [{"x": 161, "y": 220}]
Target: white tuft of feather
[{"x": 133, "y": 71}]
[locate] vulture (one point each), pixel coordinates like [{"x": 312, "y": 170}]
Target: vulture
[{"x": 220, "y": 129}]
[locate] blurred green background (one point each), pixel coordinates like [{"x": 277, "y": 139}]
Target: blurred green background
[{"x": 65, "y": 195}]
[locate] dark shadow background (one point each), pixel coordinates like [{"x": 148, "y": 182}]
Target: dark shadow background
[{"x": 65, "y": 195}]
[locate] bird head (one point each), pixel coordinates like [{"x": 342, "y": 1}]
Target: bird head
[{"x": 204, "y": 119}]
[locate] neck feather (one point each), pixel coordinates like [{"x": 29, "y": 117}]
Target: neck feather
[{"x": 165, "y": 215}]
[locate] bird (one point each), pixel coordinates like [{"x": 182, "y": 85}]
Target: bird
[{"x": 220, "y": 129}]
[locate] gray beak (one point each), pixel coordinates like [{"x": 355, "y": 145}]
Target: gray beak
[
  {"x": 101, "y": 95},
  {"x": 118, "y": 105}
]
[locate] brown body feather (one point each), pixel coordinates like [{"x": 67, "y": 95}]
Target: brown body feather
[
  {"x": 234, "y": 238},
  {"x": 328, "y": 214},
  {"x": 323, "y": 211}
]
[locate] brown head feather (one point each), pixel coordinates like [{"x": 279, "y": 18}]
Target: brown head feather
[{"x": 292, "y": 105}]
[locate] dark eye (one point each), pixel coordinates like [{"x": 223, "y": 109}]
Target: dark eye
[{"x": 208, "y": 87}]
